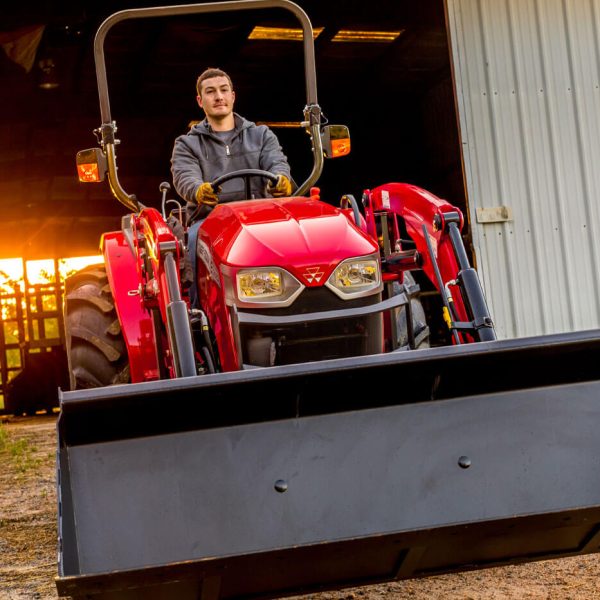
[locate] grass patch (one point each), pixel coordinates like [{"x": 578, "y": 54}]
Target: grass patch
[{"x": 20, "y": 451}]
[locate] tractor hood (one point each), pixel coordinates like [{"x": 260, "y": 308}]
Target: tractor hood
[{"x": 293, "y": 233}]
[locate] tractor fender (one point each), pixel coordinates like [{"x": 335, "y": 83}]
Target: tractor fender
[{"x": 136, "y": 322}]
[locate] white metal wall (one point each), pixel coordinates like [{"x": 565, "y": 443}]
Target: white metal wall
[{"x": 528, "y": 88}]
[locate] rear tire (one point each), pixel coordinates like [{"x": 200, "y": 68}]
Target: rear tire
[
  {"x": 419, "y": 321},
  {"x": 96, "y": 351}
]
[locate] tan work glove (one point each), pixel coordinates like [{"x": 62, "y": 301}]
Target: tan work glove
[
  {"x": 206, "y": 195},
  {"x": 282, "y": 188}
]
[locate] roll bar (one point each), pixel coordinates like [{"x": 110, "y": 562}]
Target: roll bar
[{"x": 312, "y": 111}]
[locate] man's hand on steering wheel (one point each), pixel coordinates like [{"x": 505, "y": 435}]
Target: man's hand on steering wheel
[
  {"x": 207, "y": 194},
  {"x": 282, "y": 188}
]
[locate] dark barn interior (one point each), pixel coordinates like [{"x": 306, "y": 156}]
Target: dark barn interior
[{"x": 396, "y": 97}]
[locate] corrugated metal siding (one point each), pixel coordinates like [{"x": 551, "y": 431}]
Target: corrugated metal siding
[{"x": 528, "y": 88}]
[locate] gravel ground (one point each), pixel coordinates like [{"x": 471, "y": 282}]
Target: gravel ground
[{"x": 28, "y": 540}]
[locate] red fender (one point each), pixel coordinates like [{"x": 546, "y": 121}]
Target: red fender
[{"x": 135, "y": 320}]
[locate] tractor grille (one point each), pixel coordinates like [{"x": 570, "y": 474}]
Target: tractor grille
[{"x": 266, "y": 345}]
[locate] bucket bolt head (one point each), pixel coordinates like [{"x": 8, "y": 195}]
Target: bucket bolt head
[
  {"x": 281, "y": 486},
  {"x": 464, "y": 462}
]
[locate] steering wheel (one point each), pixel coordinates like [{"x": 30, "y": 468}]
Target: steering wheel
[{"x": 245, "y": 174}]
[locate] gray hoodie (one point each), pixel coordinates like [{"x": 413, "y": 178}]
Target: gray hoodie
[{"x": 201, "y": 155}]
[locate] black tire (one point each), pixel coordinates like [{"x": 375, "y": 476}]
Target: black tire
[
  {"x": 96, "y": 351},
  {"x": 419, "y": 321}
]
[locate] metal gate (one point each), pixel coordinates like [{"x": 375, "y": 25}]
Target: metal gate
[{"x": 32, "y": 323}]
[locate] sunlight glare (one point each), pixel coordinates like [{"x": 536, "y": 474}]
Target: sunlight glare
[
  {"x": 67, "y": 266},
  {"x": 40, "y": 271},
  {"x": 11, "y": 269}
]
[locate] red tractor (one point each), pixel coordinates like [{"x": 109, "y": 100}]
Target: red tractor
[{"x": 278, "y": 281}]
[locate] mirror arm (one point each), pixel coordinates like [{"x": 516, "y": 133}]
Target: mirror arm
[
  {"x": 108, "y": 142},
  {"x": 312, "y": 116},
  {"x": 120, "y": 194}
]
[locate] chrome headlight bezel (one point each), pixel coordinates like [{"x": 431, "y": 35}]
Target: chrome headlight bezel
[{"x": 360, "y": 290}]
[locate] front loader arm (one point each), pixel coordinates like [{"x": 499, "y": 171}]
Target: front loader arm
[
  {"x": 434, "y": 226},
  {"x": 158, "y": 264}
]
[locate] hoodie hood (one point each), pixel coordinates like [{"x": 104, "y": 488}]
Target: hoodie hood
[{"x": 205, "y": 128}]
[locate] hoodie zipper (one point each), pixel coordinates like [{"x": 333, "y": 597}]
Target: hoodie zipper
[{"x": 214, "y": 137}]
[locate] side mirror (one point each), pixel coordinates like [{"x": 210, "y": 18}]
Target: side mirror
[
  {"x": 91, "y": 165},
  {"x": 336, "y": 140}
]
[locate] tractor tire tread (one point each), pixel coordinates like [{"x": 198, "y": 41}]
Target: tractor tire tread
[
  {"x": 80, "y": 295},
  {"x": 96, "y": 349},
  {"x": 90, "y": 273}
]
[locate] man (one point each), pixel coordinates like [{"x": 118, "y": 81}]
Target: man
[{"x": 222, "y": 143}]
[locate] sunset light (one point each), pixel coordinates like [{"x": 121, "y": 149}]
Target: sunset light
[{"x": 40, "y": 271}]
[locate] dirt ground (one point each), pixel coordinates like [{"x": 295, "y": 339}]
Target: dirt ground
[{"x": 28, "y": 540}]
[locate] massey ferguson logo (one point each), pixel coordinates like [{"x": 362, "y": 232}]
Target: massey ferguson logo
[{"x": 313, "y": 274}]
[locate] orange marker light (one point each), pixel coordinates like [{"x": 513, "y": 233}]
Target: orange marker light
[
  {"x": 340, "y": 147},
  {"x": 88, "y": 173}
]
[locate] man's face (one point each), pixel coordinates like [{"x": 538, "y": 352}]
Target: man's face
[{"x": 216, "y": 97}]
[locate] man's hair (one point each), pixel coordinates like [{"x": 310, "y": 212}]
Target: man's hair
[{"x": 209, "y": 74}]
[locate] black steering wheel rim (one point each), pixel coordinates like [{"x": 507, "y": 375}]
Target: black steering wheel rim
[{"x": 244, "y": 173}]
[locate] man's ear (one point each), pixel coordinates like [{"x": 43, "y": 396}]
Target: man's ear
[
  {"x": 199, "y": 100},
  {"x": 232, "y": 96}
]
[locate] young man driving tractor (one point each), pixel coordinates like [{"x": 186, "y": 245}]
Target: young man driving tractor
[{"x": 222, "y": 143}]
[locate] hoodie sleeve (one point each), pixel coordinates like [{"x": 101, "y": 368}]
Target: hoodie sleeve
[
  {"x": 185, "y": 169},
  {"x": 272, "y": 157}
]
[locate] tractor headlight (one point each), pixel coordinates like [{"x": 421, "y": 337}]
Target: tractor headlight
[
  {"x": 259, "y": 284},
  {"x": 266, "y": 286},
  {"x": 356, "y": 277}
]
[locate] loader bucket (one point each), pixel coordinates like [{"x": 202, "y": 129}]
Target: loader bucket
[{"x": 289, "y": 480}]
